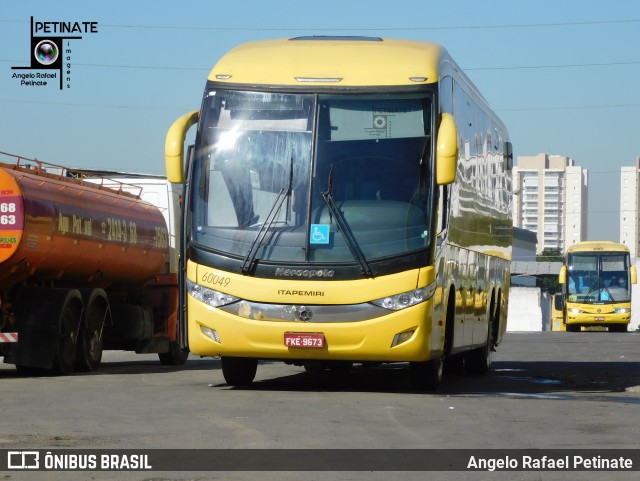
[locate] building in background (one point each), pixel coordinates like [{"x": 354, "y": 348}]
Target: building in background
[
  {"x": 550, "y": 199},
  {"x": 524, "y": 253},
  {"x": 629, "y": 222}
]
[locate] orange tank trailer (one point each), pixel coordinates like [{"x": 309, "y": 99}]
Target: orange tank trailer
[
  {"x": 59, "y": 230},
  {"x": 82, "y": 267}
]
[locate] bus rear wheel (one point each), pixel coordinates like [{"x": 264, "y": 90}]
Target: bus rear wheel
[
  {"x": 478, "y": 361},
  {"x": 239, "y": 371}
]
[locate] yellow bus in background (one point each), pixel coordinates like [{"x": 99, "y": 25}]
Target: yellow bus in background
[
  {"x": 597, "y": 278},
  {"x": 347, "y": 200}
]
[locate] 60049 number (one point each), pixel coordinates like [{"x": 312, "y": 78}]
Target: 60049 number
[{"x": 215, "y": 279}]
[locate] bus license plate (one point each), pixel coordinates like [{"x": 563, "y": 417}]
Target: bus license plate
[
  {"x": 314, "y": 340},
  {"x": 598, "y": 318}
]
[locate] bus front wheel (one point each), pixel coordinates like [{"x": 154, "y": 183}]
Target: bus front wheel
[
  {"x": 239, "y": 371},
  {"x": 427, "y": 375},
  {"x": 618, "y": 328}
]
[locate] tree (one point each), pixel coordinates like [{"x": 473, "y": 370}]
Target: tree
[
  {"x": 549, "y": 283},
  {"x": 550, "y": 254}
]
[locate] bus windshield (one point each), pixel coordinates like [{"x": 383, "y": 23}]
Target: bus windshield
[
  {"x": 598, "y": 278},
  {"x": 267, "y": 162}
]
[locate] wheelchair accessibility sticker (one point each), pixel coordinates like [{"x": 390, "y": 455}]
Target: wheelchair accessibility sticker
[{"x": 319, "y": 234}]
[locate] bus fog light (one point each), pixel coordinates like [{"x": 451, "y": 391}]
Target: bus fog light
[
  {"x": 401, "y": 337},
  {"x": 210, "y": 333}
]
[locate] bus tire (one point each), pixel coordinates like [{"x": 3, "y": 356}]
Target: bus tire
[
  {"x": 478, "y": 361},
  {"x": 427, "y": 375},
  {"x": 239, "y": 371},
  {"x": 618, "y": 328},
  {"x": 573, "y": 328}
]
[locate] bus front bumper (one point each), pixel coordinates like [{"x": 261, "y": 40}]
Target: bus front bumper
[
  {"x": 404, "y": 335},
  {"x": 598, "y": 319}
]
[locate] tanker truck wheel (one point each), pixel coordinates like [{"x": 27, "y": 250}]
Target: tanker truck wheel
[
  {"x": 174, "y": 356},
  {"x": 90, "y": 339},
  {"x": 68, "y": 326}
]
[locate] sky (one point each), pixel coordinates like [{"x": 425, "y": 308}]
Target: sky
[{"x": 563, "y": 75}]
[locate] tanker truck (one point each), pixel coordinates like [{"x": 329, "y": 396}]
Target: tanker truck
[{"x": 86, "y": 264}]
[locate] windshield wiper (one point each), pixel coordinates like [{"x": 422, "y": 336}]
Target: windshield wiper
[
  {"x": 343, "y": 226},
  {"x": 285, "y": 193}
]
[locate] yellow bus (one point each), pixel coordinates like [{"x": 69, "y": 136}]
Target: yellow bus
[
  {"x": 596, "y": 279},
  {"x": 347, "y": 200}
]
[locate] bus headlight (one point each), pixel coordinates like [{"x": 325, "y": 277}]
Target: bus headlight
[
  {"x": 406, "y": 299},
  {"x": 209, "y": 296},
  {"x": 622, "y": 310},
  {"x": 573, "y": 310}
]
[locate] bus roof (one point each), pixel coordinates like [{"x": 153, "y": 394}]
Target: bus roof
[
  {"x": 592, "y": 246},
  {"x": 327, "y": 61}
]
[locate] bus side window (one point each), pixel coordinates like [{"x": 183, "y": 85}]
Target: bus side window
[
  {"x": 446, "y": 105},
  {"x": 443, "y": 208}
]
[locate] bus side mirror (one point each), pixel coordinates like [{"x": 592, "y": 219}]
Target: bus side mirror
[
  {"x": 508, "y": 156},
  {"x": 634, "y": 274},
  {"x": 562, "y": 278},
  {"x": 558, "y": 302},
  {"x": 174, "y": 144},
  {"x": 447, "y": 151}
]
